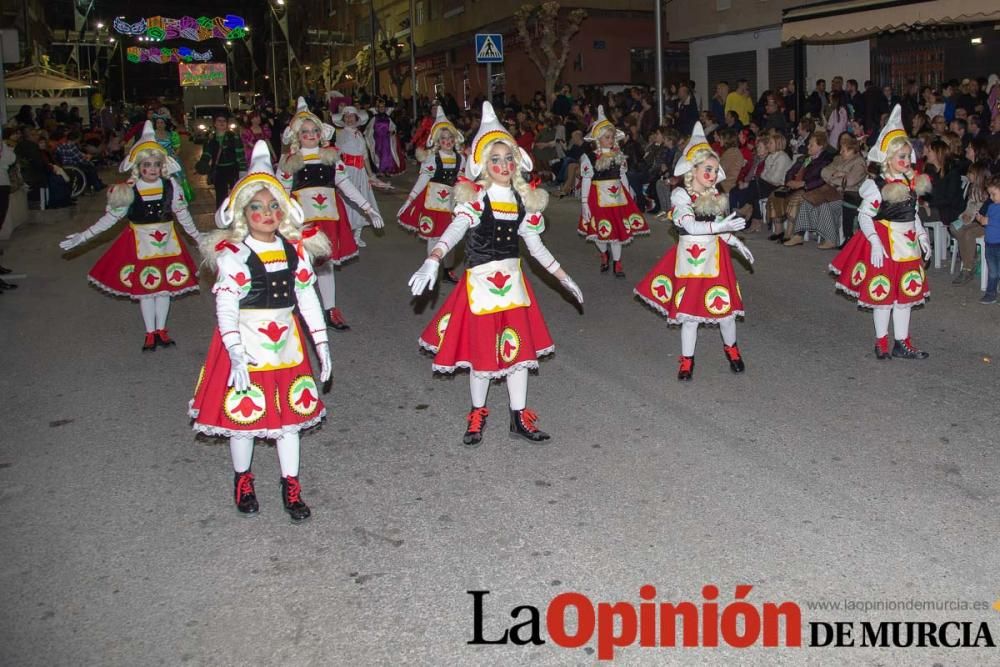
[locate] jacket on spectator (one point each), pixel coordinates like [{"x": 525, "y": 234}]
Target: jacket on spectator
[
  {"x": 846, "y": 175},
  {"x": 775, "y": 167},
  {"x": 946, "y": 193}
]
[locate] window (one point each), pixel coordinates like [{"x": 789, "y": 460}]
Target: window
[{"x": 418, "y": 12}]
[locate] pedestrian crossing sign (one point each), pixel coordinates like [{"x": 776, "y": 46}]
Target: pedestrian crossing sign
[{"x": 489, "y": 48}]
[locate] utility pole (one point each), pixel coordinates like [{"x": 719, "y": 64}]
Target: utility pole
[
  {"x": 659, "y": 59},
  {"x": 372, "y": 24},
  {"x": 413, "y": 61}
]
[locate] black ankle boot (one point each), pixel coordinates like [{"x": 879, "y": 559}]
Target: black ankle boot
[
  {"x": 904, "y": 350},
  {"x": 246, "y": 498},
  {"x": 522, "y": 425},
  {"x": 686, "y": 369},
  {"x": 291, "y": 492},
  {"x": 477, "y": 422},
  {"x": 605, "y": 262},
  {"x": 736, "y": 364}
]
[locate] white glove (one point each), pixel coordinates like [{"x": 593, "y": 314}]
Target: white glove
[
  {"x": 572, "y": 288},
  {"x": 239, "y": 375},
  {"x": 925, "y": 245},
  {"x": 585, "y": 212},
  {"x": 376, "y": 219},
  {"x": 403, "y": 208},
  {"x": 743, "y": 249},
  {"x": 325, "y": 363},
  {"x": 72, "y": 241},
  {"x": 731, "y": 223},
  {"x": 425, "y": 276},
  {"x": 878, "y": 251}
]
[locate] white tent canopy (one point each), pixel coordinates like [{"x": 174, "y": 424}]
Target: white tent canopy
[{"x": 42, "y": 79}]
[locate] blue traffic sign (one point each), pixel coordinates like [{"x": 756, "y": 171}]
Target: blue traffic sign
[{"x": 489, "y": 48}]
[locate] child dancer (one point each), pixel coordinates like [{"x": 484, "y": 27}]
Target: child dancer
[{"x": 353, "y": 151}]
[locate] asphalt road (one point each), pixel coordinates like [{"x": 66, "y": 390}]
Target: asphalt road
[{"x": 818, "y": 475}]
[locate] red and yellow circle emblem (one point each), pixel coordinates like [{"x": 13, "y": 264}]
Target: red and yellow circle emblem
[
  {"x": 604, "y": 229},
  {"x": 679, "y": 297},
  {"x": 718, "y": 300},
  {"x": 126, "y": 274},
  {"x": 303, "y": 397},
  {"x": 858, "y": 274},
  {"x": 442, "y": 327},
  {"x": 508, "y": 345},
  {"x": 912, "y": 282},
  {"x": 662, "y": 288},
  {"x": 636, "y": 221},
  {"x": 246, "y": 407},
  {"x": 150, "y": 278},
  {"x": 879, "y": 288},
  {"x": 177, "y": 274},
  {"x": 426, "y": 224}
]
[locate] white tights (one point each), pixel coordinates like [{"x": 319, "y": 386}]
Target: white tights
[
  {"x": 689, "y": 335},
  {"x": 241, "y": 449},
  {"x": 326, "y": 285},
  {"x": 616, "y": 249},
  {"x": 154, "y": 312},
  {"x": 517, "y": 389},
  {"x": 900, "y": 322}
]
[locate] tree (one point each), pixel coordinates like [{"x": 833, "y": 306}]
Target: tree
[
  {"x": 398, "y": 69},
  {"x": 546, "y": 37}
]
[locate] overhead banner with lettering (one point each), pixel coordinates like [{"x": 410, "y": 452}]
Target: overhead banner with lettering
[{"x": 202, "y": 74}]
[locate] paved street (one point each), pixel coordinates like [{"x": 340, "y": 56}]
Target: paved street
[{"x": 818, "y": 475}]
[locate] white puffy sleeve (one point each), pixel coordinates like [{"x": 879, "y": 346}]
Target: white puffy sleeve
[
  {"x": 231, "y": 285},
  {"x": 180, "y": 208},
  {"x": 530, "y": 230},
  {"x": 305, "y": 295}
]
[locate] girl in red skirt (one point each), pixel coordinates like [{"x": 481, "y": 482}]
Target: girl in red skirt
[
  {"x": 695, "y": 283},
  {"x": 257, "y": 381},
  {"x": 609, "y": 216},
  {"x": 883, "y": 267},
  {"x": 147, "y": 262},
  {"x": 313, "y": 173},
  {"x": 491, "y": 323},
  {"x": 427, "y": 209}
]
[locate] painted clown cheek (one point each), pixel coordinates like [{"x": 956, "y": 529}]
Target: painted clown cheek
[
  {"x": 279, "y": 215},
  {"x": 497, "y": 170},
  {"x": 256, "y": 217}
]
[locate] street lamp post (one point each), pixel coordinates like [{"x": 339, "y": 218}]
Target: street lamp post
[
  {"x": 413, "y": 62},
  {"x": 659, "y": 59}
]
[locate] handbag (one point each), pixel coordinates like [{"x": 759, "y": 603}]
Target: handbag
[{"x": 824, "y": 194}]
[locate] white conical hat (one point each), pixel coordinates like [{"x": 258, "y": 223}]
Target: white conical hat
[
  {"x": 302, "y": 114},
  {"x": 338, "y": 118},
  {"x": 491, "y": 131},
  {"x": 441, "y": 122},
  {"x": 893, "y": 129},
  {"x": 260, "y": 175},
  {"x": 147, "y": 142},
  {"x": 697, "y": 143},
  {"x": 602, "y": 124}
]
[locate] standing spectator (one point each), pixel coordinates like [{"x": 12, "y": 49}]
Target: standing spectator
[
  {"x": 718, "y": 104},
  {"x": 254, "y": 130},
  {"x": 950, "y": 100},
  {"x": 774, "y": 119},
  {"x": 24, "y": 116},
  {"x": 855, "y": 101},
  {"x": 687, "y": 109},
  {"x": 817, "y": 99},
  {"x": 792, "y": 102},
  {"x": 740, "y": 101},
  {"x": 222, "y": 159},
  {"x": 993, "y": 95},
  {"x": 836, "y": 123},
  {"x": 873, "y": 104},
  {"x": 563, "y": 102},
  {"x": 890, "y": 99},
  {"x": 7, "y": 160},
  {"x": 989, "y": 217}
]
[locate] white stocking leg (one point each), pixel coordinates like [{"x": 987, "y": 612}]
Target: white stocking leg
[
  {"x": 881, "y": 316},
  {"x": 148, "y": 308},
  {"x": 727, "y": 328},
  {"x": 517, "y": 389},
  {"x": 478, "y": 387},
  {"x": 162, "y": 310},
  {"x": 241, "y": 449},
  {"x": 602, "y": 246},
  {"x": 689, "y": 338},
  {"x": 326, "y": 285},
  {"x": 288, "y": 454},
  {"x": 616, "y": 251},
  {"x": 901, "y": 323}
]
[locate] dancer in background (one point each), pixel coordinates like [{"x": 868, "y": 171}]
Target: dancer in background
[
  {"x": 353, "y": 153},
  {"x": 883, "y": 267},
  {"x": 383, "y": 143},
  {"x": 148, "y": 262},
  {"x": 427, "y": 209},
  {"x": 491, "y": 322},
  {"x": 312, "y": 173},
  {"x": 257, "y": 381},
  {"x": 168, "y": 137},
  {"x": 609, "y": 216},
  {"x": 694, "y": 283}
]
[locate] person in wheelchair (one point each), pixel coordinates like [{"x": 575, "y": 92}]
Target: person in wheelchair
[{"x": 68, "y": 153}]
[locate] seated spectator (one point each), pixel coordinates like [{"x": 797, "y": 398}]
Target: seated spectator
[
  {"x": 918, "y": 124},
  {"x": 733, "y": 121},
  {"x": 571, "y": 164},
  {"x": 663, "y": 174},
  {"x": 774, "y": 117},
  {"x": 731, "y": 160},
  {"x": 939, "y": 125},
  {"x": 803, "y": 130},
  {"x": 821, "y": 209},
  {"x": 944, "y": 202},
  {"x": 69, "y": 153},
  {"x": 655, "y": 159},
  {"x": 741, "y": 197},
  {"x": 545, "y": 155},
  {"x": 805, "y": 175},
  {"x": 776, "y": 165},
  {"x": 967, "y": 228}
]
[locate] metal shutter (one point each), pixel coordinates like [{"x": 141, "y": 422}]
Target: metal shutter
[
  {"x": 732, "y": 67},
  {"x": 780, "y": 67}
]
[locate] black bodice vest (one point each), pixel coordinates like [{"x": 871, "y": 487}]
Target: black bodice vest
[
  {"x": 445, "y": 176},
  {"x": 493, "y": 239},
  {"x": 900, "y": 211},
  {"x": 275, "y": 289},
  {"x": 314, "y": 175},
  {"x": 610, "y": 174},
  {"x": 146, "y": 212}
]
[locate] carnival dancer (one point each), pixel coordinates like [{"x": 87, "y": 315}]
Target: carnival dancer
[
  {"x": 312, "y": 172},
  {"x": 170, "y": 140},
  {"x": 257, "y": 381},
  {"x": 491, "y": 323},
  {"x": 148, "y": 262},
  {"x": 609, "y": 216},
  {"x": 383, "y": 143},
  {"x": 427, "y": 209},
  {"x": 883, "y": 267},
  {"x": 353, "y": 153},
  {"x": 694, "y": 283}
]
